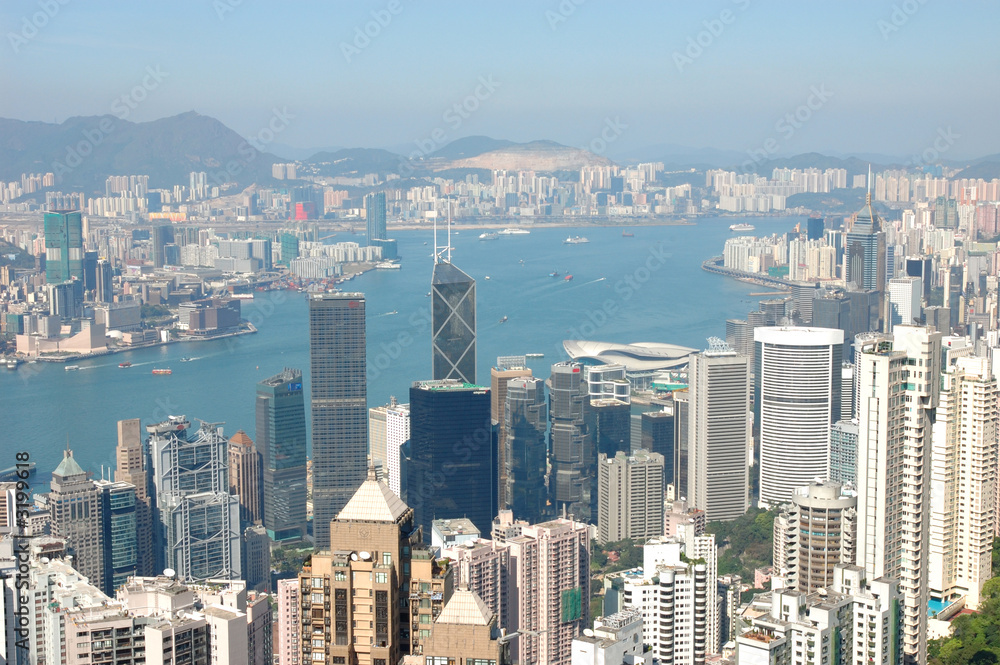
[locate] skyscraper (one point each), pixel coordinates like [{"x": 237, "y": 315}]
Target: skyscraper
[
  {"x": 797, "y": 384},
  {"x": 63, "y": 246},
  {"x": 388, "y": 431},
  {"x": 371, "y": 547},
  {"x": 77, "y": 513},
  {"x": 525, "y": 420},
  {"x": 198, "y": 520},
  {"x": 134, "y": 467},
  {"x": 658, "y": 437},
  {"x": 105, "y": 286},
  {"x": 717, "y": 468},
  {"x": 964, "y": 482},
  {"x": 904, "y": 302},
  {"x": 453, "y": 324},
  {"x": 549, "y": 583},
  {"x": 118, "y": 521},
  {"x": 570, "y": 445},
  {"x": 865, "y": 252},
  {"x": 630, "y": 496},
  {"x": 821, "y": 527},
  {"x": 339, "y": 404},
  {"x": 163, "y": 235},
  {"x": 245, "y": 477},
  {"x": 451, "y": 469},
  {"x": 507, "y": 368},
  {"x": 281, "y": 441},
  {"x": 898, "y": 390},
  {"x": 375, "y": 216}
]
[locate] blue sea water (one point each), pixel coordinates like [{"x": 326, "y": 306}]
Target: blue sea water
[{"x": 646, "y": 288}]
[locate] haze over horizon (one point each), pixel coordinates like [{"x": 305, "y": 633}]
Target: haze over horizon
[{"x": 864, "y": 77}]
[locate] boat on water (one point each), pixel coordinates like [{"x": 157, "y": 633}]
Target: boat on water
[
  {"x": 568, "y": 277},
  {"x": 185, "y": 359},
  {"x": 625, "y": 234},
  {"x": 71, "y": 368},
  {"x": 742, "y": 227},
  {"x": 487, "y": 277},
  {"x": 387, "y": 265},
  {"x": 489, "y": 236},
  {"x": 163, "y": 371},
  {"x": 553, "y": 274},
  {"x": 125, "y": 365},
  {"x": 504, "y": 319},
  {"x": 534, "y": 355},
  {"x": 513, "y": 232},
  {"x": 12, "y": 363},
  {"x": 575, "y": 240}
]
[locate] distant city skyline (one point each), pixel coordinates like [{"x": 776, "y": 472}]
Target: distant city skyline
[{"x": 874, "y": 77}]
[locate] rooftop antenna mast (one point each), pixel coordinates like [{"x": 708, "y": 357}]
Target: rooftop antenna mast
[
  {"x": 449, "y": 230},
  {"x": 435, "y": 239},
  {"x": 868, "y": 196}
]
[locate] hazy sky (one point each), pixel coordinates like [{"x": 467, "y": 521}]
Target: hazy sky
[{"x": 880, "y": 76}]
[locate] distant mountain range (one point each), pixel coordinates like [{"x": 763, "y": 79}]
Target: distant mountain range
[{"x": 83, "y": 151}]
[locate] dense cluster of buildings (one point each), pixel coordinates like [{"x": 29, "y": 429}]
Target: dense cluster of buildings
[{"x": 862, "y": 409}]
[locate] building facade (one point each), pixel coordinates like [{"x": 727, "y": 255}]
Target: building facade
[
  {"x": 898, "y": 379},
  {"x": 451, "y": 471},
  {"x": 281, "y": 441},
  {"x": 716, "y": 459},
  {"x": 453, "y": 324},
  {"x": 798, "y": 393},
  {"x": 338, "y": 404},
  {"x": 630, "y": 496}
]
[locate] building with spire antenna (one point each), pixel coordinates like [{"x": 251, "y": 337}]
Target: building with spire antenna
[
  {"x": 453, "y": 317},
  {"x": 865, "y": 251}
]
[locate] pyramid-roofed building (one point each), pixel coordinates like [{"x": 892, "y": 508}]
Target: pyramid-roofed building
[
  {"x": 373, "y": 502},
  {"x": 466, "y": 608}
]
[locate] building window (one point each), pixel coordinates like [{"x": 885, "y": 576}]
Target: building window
[
  {"x": 340, "y": 576},
  {"x": 381, "y": 578},
  {"x": 386, "y": 558}
]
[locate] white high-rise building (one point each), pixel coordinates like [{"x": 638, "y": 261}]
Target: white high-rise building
[
  {"x": 677, "y": 596},
  {"x": 814, "y": 533},
  {"x": 898, "y": 379},
  {"x": 853, "y": 621},
  {"x": 798, "y": 391},
  {"x": 397, "y": 433},
  {"x": 904, "y": 301},
  {"x": 963, "y": 482},
  {"x": 718, "y": 449}
]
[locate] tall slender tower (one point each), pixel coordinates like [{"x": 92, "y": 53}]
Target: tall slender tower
[
  {"x": 245, "y": 477},
  {"x": 507, "y": 368},
  {"x": 281, "y": 440},
  {"x": 571, "y": 446},
  {"x": 375, "y": 217},
  {"x": 134, "y": 469},
  {"x": 453, "y": 318},
  {"x": 717, "y": 467},
  {"x": 898, "y": 378},
  {"x": 525, "y": 420},
  {"x": 964, "y": 482},
  {"x": 63, "y": 246},
  {"x": 77, "y": 516},
  {"x": 339, "y": 404}
]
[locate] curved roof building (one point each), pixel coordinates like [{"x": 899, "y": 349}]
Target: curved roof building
[{"x": 641, "y": 357}]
